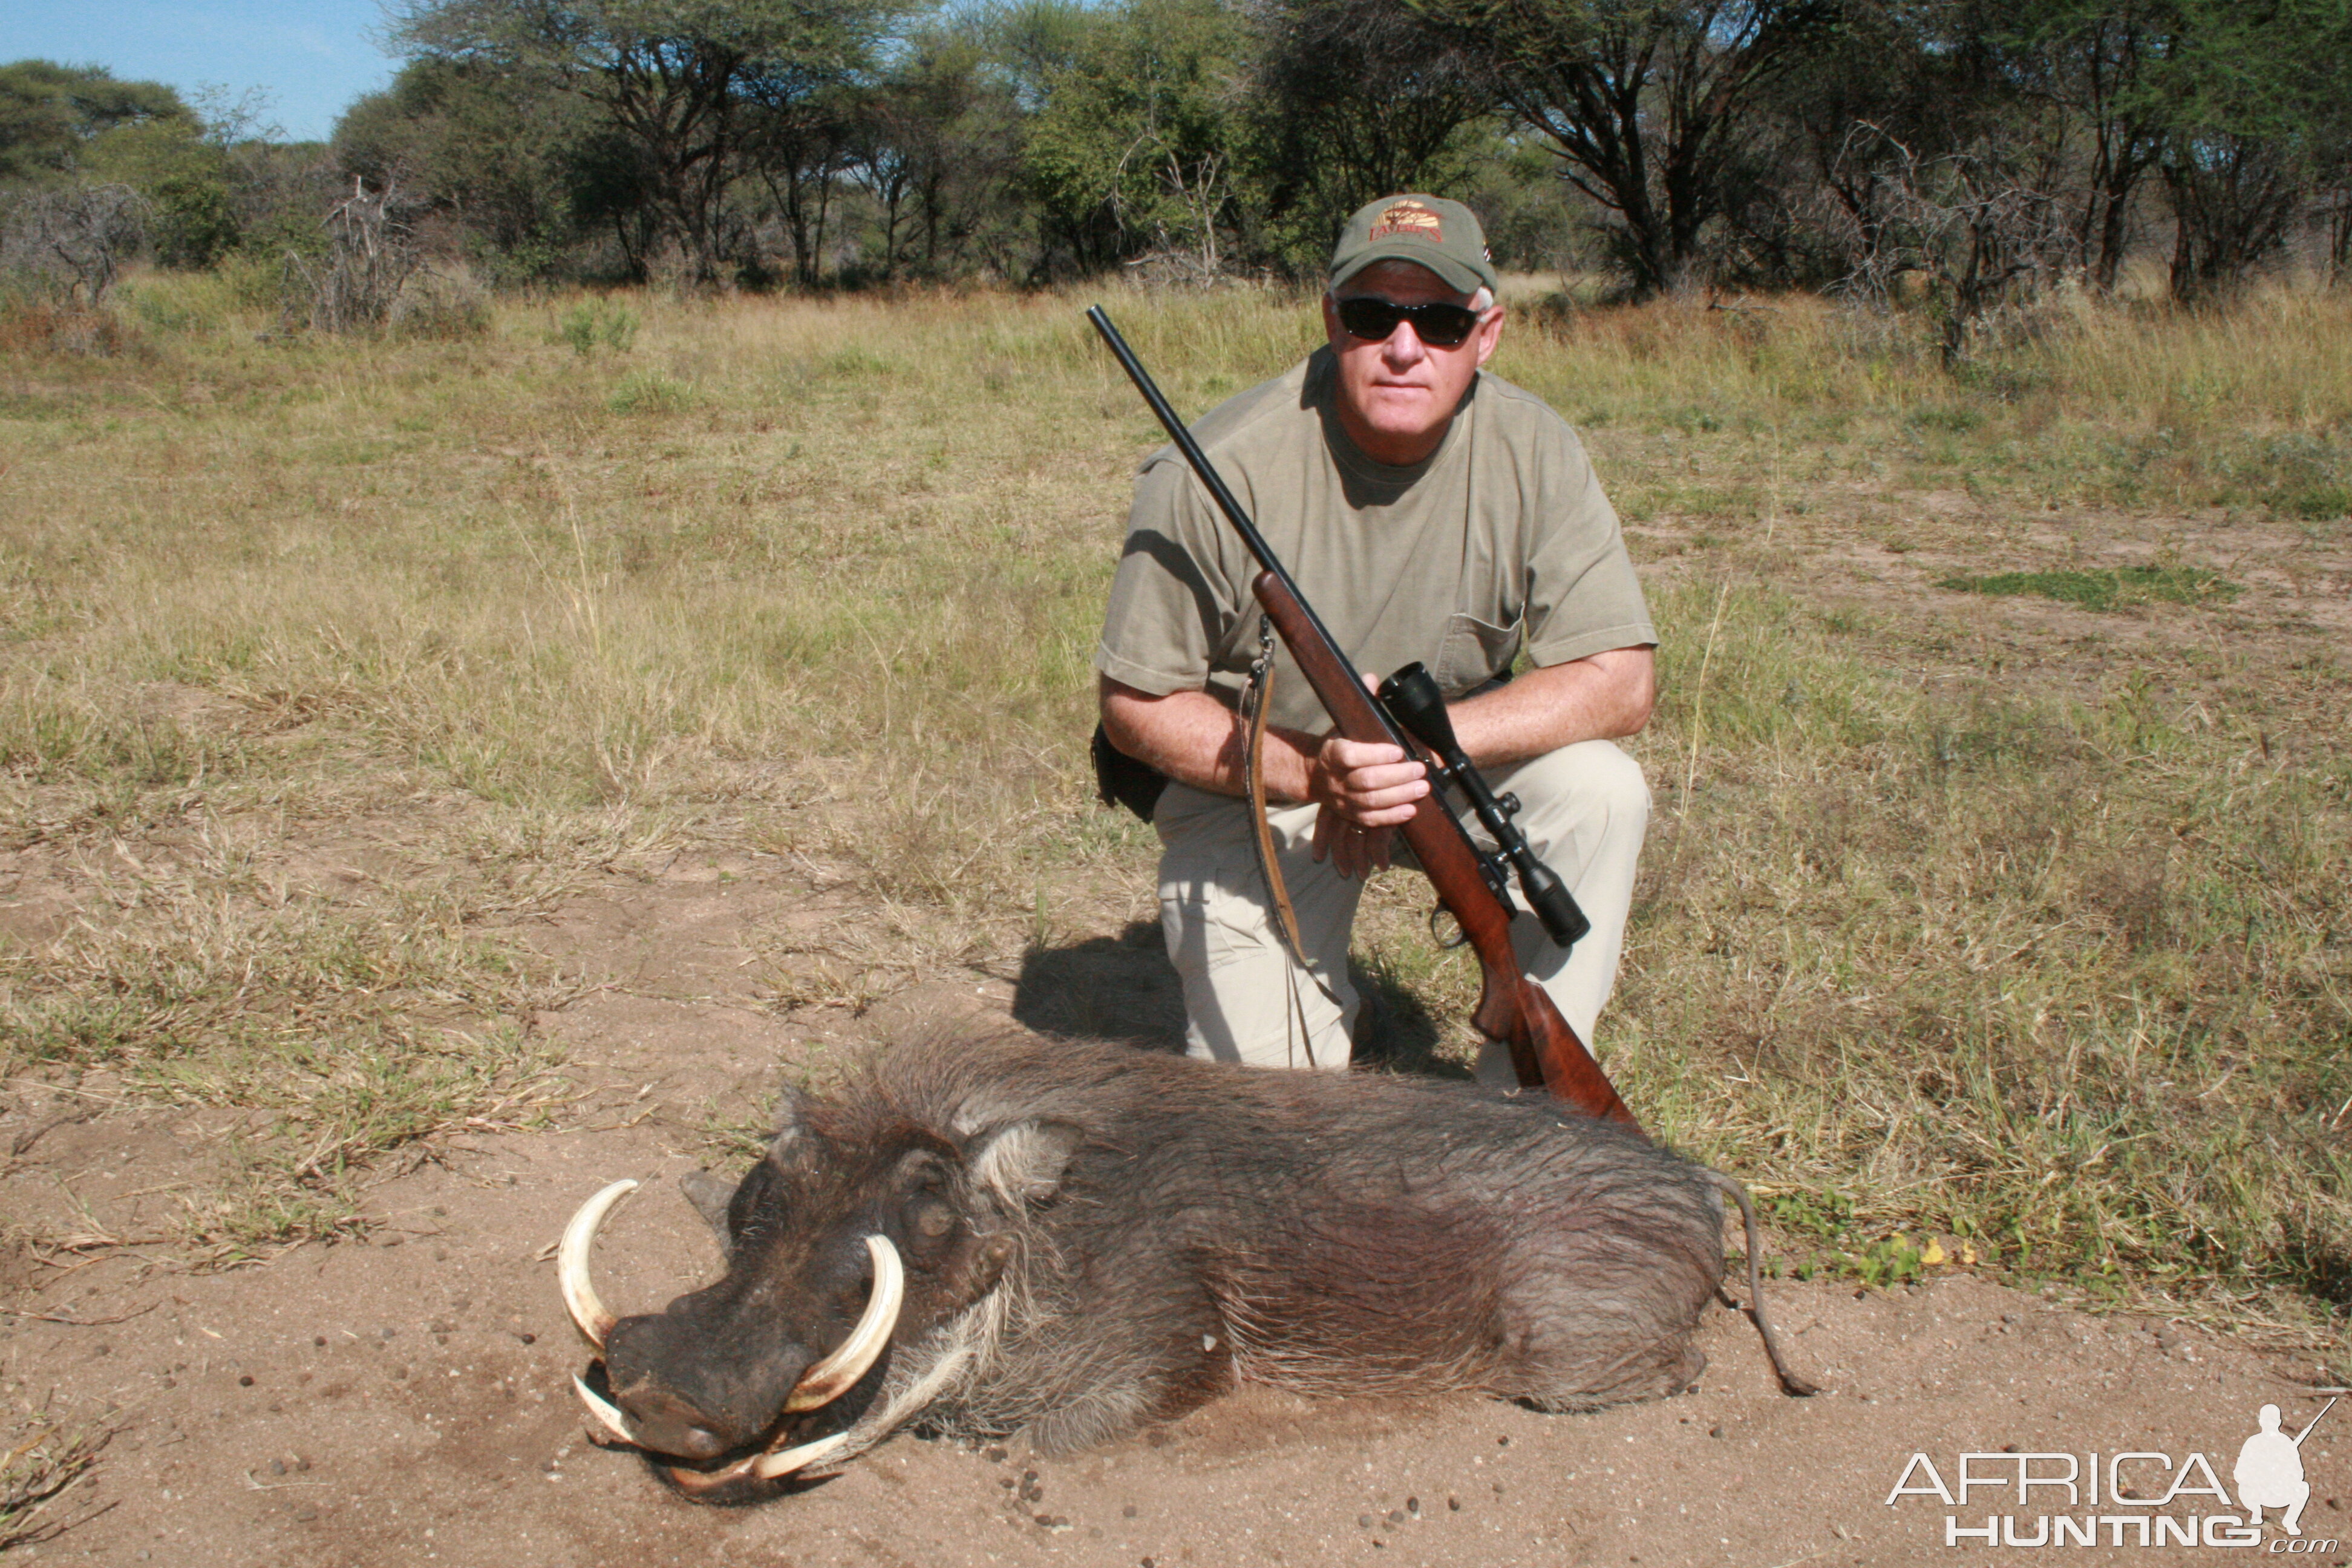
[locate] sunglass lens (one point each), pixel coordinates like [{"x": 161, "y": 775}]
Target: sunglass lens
[
  {"x": 1441, "y": 326},
  {"x": 1371, "y": 320}
]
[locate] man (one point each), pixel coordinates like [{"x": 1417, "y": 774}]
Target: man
[{"x": 1428, "y": 511}]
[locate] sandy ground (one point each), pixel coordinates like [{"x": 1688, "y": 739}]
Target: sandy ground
[{"x": 405, "y": 1400}]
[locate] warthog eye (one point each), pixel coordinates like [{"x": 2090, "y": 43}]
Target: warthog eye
[{"x": 930, "y": 1217}]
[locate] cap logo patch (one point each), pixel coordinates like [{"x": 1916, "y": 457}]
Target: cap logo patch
[{"x": 1410, "y": 219}]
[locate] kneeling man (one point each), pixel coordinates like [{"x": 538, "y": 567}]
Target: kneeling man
[{"x": 1429, "y": 511}]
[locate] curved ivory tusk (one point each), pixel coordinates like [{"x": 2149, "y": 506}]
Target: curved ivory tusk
[
  {"x": 768, "y": 1467},
  {"x": 594, "y": 1319},
  {"x": 608, "y": 1415},
  {"x": 833, "y": 1377}
]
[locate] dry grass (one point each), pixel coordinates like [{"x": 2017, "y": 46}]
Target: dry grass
[
  {"x": 45, "y": 1457},
  {"x": 2038, "y": 941}
]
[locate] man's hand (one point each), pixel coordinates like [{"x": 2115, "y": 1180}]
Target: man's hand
[
  {"x": 1366, "y": 789},
  {"x": 1353, "y": 851}
]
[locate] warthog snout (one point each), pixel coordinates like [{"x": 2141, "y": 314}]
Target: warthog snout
[{"x": 682, "y": 1398}]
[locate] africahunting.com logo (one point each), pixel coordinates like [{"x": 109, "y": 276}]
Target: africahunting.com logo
[{"x": 2135, "y": 1497}]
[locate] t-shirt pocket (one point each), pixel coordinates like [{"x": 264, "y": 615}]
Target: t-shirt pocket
[{"x": 1475, "y": 652}]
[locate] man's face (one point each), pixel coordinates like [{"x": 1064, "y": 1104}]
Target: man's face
[{"x": 1397, "y": 395}]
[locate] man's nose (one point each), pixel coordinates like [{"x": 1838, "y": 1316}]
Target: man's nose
[{"x": 1404, "y": 346}]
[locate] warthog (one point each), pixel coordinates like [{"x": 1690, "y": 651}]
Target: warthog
[{"x": 1018, "y": 1235}]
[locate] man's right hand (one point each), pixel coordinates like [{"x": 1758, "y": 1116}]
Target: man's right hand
[
  {"x": 1364, "y": 789},
  {"x": 1369, "y": 784}
]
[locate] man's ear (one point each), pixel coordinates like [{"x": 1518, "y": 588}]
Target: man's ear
[
  {"x": 1023, "y": 1162},
  {"x": 1489, "y": 332}
]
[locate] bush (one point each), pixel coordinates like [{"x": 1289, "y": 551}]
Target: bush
[
  {"x": 650, "y": 391},
  {"x": 37, "y": 326},
  {"x": 181, "y": 301},
  {"x": 594, "y": 321},
  {"x": 255, "y": 280},
  {"x": 438, "y": 305}
]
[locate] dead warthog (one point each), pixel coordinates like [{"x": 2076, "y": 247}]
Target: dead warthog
[{"x": 1068, "y": 1241}]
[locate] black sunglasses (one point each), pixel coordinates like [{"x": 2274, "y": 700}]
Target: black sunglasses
[{"x": 1439, "y": 326}]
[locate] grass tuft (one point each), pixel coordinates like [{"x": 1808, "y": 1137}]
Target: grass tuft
[
  {"x": 2108, "y": 588},
  {"x": 46, "y": 1458}
]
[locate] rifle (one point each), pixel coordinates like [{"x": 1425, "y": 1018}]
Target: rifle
[{"x": 1544, "y": 1050}]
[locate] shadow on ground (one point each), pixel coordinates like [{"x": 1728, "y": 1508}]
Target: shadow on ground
[
  {"x": 1123, "y": 988},
  {"x": 1105, "y": 988}
]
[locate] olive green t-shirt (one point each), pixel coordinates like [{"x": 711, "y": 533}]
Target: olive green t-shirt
[{"x": 1500, "y": 539}]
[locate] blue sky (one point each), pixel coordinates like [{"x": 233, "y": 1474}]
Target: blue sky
[{"x": 308, "y": 58}]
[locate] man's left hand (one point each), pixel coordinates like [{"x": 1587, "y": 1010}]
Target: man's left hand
[{"x": 1353, "y": 851}]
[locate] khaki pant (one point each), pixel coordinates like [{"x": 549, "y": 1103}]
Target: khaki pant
[{"x": 1584, "y": 808}]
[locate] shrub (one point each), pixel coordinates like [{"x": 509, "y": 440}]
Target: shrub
[
  {"x": 650, "y": 391},
  {"x": 436, "y": 305},
  {"x": 594, "y": 321}
]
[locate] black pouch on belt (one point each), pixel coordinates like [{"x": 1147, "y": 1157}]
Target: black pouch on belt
[{"x": 1121, "y": 780}]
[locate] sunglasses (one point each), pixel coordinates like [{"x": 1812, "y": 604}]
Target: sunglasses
[{"x": 1439, "y": 326}]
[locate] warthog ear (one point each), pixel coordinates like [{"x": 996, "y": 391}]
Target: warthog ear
[
  {"x": 708, "y": 1193},
  {"x": 1023, "y": 1162},
  {"x": 792, "y": 1129}
]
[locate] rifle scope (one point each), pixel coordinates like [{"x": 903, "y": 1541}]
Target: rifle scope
[{"x": 1413, "y": 700}]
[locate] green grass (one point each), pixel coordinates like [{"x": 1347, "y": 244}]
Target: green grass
[
  {"x": 1949, "y": 926},
  {"x": 2107, "y": 589}
]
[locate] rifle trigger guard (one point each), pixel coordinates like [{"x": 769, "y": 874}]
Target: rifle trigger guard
[{"x": 1442, "y": 923}]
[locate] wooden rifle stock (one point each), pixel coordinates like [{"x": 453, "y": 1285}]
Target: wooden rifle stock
[{"x": 1512, "y": 1008}]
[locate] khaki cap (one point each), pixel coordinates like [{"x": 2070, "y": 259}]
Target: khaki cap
[{"x": 1429, "y": 231}]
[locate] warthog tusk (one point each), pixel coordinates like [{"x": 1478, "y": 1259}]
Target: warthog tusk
[
  {"x": 833, "y": 1377},
  {"x": 594, "y": 1319},
  {"x": 768, "y": 1467},
  {"x": 609, "y": 1415}
]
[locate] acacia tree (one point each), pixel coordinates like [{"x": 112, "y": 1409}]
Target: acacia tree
[
  {"x": 2095, "y": 62},
  {"x": 675, "y": 78},
  {"x": 935, "y": 145},
  {"x": 797, "y": 139},
  {"x": 515, "y": 170},
  {"x": 1644, "y": 102},
  {"x": 1354, "y": 99},
  {"x": 51, "y": 114},
  {"x": 1141, "y": 140},
  {"x": 2253, "y": 98}
]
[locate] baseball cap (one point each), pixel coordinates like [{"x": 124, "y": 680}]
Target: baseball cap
[{"x": 1442, "y": 236}]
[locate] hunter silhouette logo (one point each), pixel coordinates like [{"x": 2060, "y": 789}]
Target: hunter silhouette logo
[
  {"x": 2270, "y": 1470},
  {"x": 1410, "y": 218},
  {"x": 2131, "y": 1496}
]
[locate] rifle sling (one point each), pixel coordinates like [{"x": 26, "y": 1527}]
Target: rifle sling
[{"x": 1257, "y": 700}]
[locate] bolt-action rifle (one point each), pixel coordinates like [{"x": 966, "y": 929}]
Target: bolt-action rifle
[{"x": 1470, "y": 883}]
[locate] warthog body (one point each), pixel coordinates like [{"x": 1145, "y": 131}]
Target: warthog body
[{"x": 1096, "y": 1238}]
